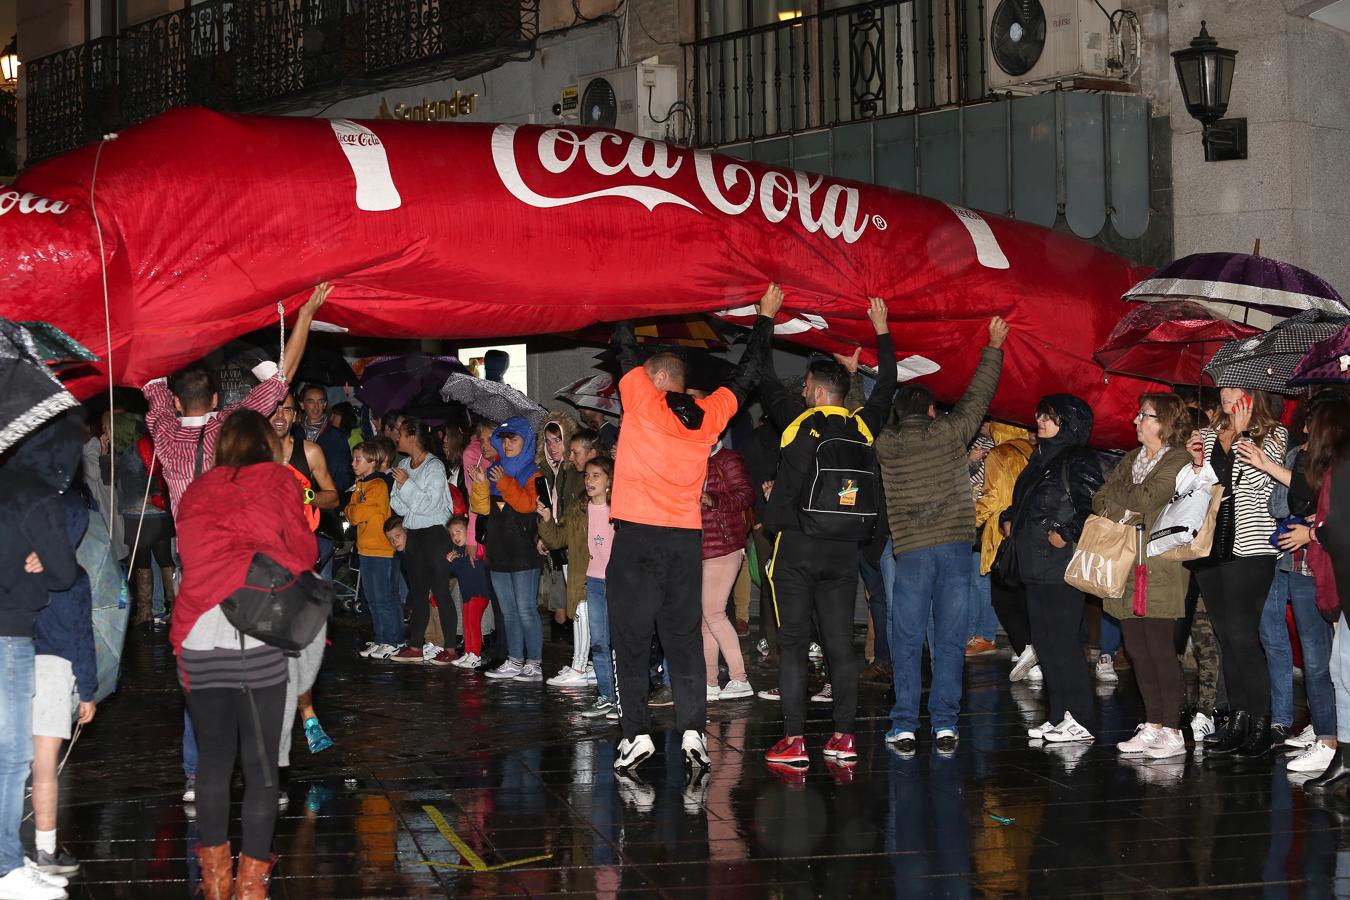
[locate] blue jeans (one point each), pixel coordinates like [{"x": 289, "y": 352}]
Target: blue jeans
[
  {"x": 1340, "y": 677},
  {"x": 325, "y": 562},
  {"x": 878, "y": 584},
  {"x": 518, "y": 593},
  {"x": 597, "y": 607},
  {"x": 1314, "y": 635},
  {"x": 380, "y": 581},
  {"x": 931, "y": 583},
  {"x": 983, "y": 622},
  {"x": 1110, "y": 636},
  {"x": 16, "y": 743}
]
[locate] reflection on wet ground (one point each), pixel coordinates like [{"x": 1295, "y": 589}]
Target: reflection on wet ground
[{"x": 441, "y": 781}]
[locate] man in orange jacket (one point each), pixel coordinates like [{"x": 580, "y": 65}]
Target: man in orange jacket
[{"x": 655, "y": 569}]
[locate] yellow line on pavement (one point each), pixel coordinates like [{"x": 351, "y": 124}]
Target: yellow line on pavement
[{"x": 455, "y": 840}]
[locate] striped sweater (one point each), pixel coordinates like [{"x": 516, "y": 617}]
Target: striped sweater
[
  {"x": 1250, "y": 490},
  {"x": 925, "y": 471}
]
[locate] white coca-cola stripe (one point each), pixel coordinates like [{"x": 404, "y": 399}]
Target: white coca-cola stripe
[
  {"x": 375, "y": 191},
  {"x": 504, "y": 158},
  {"x": 987, "y": 250}
]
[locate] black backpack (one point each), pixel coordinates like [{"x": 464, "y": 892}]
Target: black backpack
[{"x": 841, "y": 496}]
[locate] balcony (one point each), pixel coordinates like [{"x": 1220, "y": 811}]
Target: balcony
[
  {"x": 839, "y": 65},
  {"x": 265, "y": 56},
  {"x": 9, "y": 160}
]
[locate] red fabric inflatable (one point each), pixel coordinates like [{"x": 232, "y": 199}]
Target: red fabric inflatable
[{"x": 476, "y": 230}]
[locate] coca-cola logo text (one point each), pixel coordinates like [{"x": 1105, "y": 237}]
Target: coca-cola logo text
[
  {"x": 28, "y": 203},
  {"x": 362, "y": 139},
  {"x": 833, "y": 210}
]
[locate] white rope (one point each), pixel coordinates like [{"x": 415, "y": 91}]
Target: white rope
[
  {"x": 61, "y": 766},
  {"x": 107, "y": 321},
  {"x": 281, "y": 354}
]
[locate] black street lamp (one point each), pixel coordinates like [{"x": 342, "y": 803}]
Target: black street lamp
[{"x": 1205, "y": 71}]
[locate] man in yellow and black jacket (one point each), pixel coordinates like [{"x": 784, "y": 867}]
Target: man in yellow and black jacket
[{"x": 824, "y": 505}]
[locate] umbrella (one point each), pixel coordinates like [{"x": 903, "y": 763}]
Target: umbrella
[
  {"x": 598, "y": 392},
  {"x": 677, "y": 331},
  {"x": 1328, "y": 362},
  {"x": 30, "y": 395},
  {"x": 1267, "y": 361},
  {"x": 400, "y": 381},
  {"x": 492, "y": 399},
  {"x": 55, "y": 347},
  {"x": 108, "y": 590},
  {"x": 1256, "y": 290},
  {"x": 1169, "y": 341}
]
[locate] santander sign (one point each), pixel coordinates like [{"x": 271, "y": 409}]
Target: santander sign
[{"x": 635, "y": 162}]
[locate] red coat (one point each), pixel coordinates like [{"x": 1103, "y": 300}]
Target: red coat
[
  {"x": 724, "y": 524},
  {"x": 226, "y": 516}
]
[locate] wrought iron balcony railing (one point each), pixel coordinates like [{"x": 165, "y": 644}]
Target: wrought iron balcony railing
[
  {"x": 8, "y": 133},
  {"x": 269, "y": 55},
  {"x": 838, "y": 65}
]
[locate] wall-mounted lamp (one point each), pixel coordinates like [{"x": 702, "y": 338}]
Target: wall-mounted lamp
[{"x": 1205, "y": 71}]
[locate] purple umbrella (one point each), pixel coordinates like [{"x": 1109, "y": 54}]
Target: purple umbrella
[
  {"x": 400, "y": 381},
  {"x": 1255, "y": 290},
  {"x": 1328, "y": 362}
]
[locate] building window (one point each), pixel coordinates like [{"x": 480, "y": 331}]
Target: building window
[{"x": 105, "y": 18}]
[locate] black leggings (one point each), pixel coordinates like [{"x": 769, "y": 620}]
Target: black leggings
[
  {"x": 156, "y": 538},
  {"x": 1156, "y": 668},
  {"x": 1011, "y": 609},
  {"x": 1235, "y": 596},
  {"x": 429, "y": 573},
  {"x": 1056, "y": 614},
  {"x": 223, "y": 722}
]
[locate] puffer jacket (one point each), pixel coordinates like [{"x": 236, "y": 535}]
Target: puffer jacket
[
  {"x": 1012, "y": 449},
  {"x": 1041, "y": 503},
  {"x": 724, "y": 526}
]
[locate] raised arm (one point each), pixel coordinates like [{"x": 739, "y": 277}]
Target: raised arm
[
  {"x": 878, "y": 405},
  {"x": 625, "y": 346},
  {"x": 295, "y": 346}
]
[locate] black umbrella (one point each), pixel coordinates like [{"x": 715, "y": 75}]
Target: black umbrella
[
  {"x": 30, "y": 395},
  {"x": 492, "y": 399}
]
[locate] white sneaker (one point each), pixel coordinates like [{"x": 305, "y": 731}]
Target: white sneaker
[
  {"x": 24, "y": 883},
  {"x": 694, "y": 746},
  {"x": 1023, "y": 664},
  {"x": 633, "y": 753},
  {"x": 508, "y": 669},
  {"x": 1069, "y": 732},
  {"x": 55, "y": 878},
  {"x": 568, "y": 678},
  {"x": 1303, "y": 740},
  {"x": 429, "y": 650},
  {"x": 714, "y": 693},
  {"x": 1106, "y": 669},
  {"x": 1169, "y": 742},
  {"x": 599, "y": 709},
  {"x": 368, "y": 649},
  {"x": 382, "y": 651},
  {"x": 1144, "y": 736},
  {"x": 814, "y": 652},
  {"x": 1315, "y": 759},
  {"x": 590, "y": 674},
  {"x": 1201, "y": 727},
  {"x": 530, "y": 672},
  {"x": 468, "y": 661},
  {"x": 769, "y": 694},
  {"x": 826, "y": 695},
  {"x": 1037, "y": 732},
  {"x": 735, "y": 690}
]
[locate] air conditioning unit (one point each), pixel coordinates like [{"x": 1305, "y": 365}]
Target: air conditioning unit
[
  {"x": 1040, "y": 42},
  {"x": 632, "y": 99}
]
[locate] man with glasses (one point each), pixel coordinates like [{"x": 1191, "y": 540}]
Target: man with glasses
[
  {"x": 318, "y": 429},
  {"x": 931, "y": 513}
]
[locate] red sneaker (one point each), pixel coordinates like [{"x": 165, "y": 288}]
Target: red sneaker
[
  {"x": 444, "y": 658},
  {"x": 841, "y": 747},
  {"x": 407, "y": 655},
  {"x": 788, "y": 751}
]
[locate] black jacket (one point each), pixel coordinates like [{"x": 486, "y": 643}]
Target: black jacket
[
  {"x": 32, "y": 479},
  {"x": 66, "y": 627},
  {"x": 797, "y": 460},
  {"x": 1041, "y": 503}
]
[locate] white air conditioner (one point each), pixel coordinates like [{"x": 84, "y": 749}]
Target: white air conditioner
[
  {"x": 632, "y": 99},
  {"x": 1039, "y": 42}
]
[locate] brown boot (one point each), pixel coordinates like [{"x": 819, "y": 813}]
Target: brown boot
[
  {"x": 143, "y": 582},
  {"x": 217, "y": 882},
  {"x": 254, "y": 876}
]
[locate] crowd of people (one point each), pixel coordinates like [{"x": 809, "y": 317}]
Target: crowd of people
[{"x": 646, "y": 532}]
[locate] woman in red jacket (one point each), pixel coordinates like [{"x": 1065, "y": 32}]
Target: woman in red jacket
[
  {"x": 247, "y": 504},
  {"x": 727, "y": 497}
]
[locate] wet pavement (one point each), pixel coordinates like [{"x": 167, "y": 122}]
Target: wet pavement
[{"x": 444, "y": 784}]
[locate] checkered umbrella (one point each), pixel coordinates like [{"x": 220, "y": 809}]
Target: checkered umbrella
[
  {"x": 30, "y": 395},
  {"x": 492, "y": 399},
  {"x": 1267, "y": 362},
  {"x": 1328, "y": 362}
]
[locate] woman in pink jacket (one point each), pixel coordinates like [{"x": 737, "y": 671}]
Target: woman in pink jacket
[{"x": 727, "y": 498}]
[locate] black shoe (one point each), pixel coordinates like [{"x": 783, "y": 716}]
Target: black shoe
[
  {"x": 1223, "y": 717},
  {"x": 662, "y": 696},
  {"x": 1336, "y": 776},
  {"x": 1258, "y": 740},
  {"x": 58, "y": 863},
  {"x": 1234, "y": 735},
  {"x": 1278, "y": 735}
]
